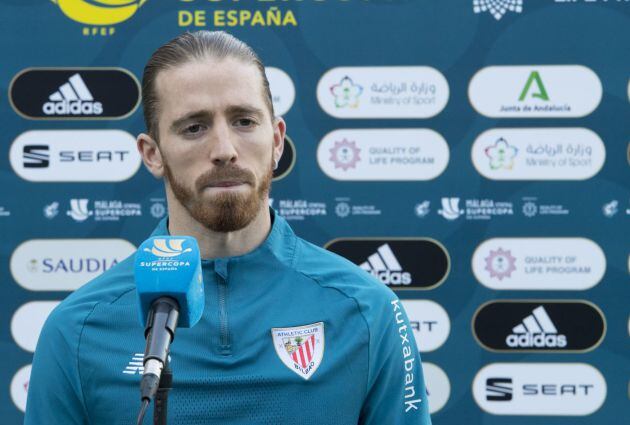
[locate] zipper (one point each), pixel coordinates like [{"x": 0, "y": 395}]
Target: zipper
[{"x": 225, "y": 343}]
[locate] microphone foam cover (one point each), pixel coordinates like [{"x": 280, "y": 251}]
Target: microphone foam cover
[{"x": 170, "y": 266}]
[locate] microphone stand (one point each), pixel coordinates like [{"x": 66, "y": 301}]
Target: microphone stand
[{"x": 160, "y": 409}]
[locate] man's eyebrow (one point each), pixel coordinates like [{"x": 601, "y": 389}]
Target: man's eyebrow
[
  {"x": 190, "y": 116},
  {"x": 245, "y": 109}
]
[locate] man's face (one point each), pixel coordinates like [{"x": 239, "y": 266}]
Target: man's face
[{"x": 217, "y": 140}]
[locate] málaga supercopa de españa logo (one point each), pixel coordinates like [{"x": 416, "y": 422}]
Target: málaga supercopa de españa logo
[{"x": 100, "y": 15}]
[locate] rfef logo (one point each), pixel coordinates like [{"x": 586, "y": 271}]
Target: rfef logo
[
  {"x": 99, "y": 13},
  {"x": 543, "y": 326},
  {"x": 539, "y": 389},
  {"x": 401, "y": 263},
  {"x": 74, "y": 93}
]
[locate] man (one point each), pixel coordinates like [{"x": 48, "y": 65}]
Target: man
[{"x": 290, "y": 334}]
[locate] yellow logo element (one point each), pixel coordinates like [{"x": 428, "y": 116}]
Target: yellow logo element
[{"x": 99, "y": 12}]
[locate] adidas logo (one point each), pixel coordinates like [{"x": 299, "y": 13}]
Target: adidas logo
[
  {"x": 136, "y": 365},
  {"x": 536, "y": 331},
  {"x": 385, "y": 266},
  {"x": 72, "y": 98}
]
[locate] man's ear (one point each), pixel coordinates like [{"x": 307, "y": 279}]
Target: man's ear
[
  {"x": 151, "y": 155},
  {"x": 279, "y": 131}
]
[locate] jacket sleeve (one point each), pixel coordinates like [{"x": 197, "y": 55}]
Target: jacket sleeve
[
  {"x": 396, "y": 392},
  {"x": 54, "y": 391}
]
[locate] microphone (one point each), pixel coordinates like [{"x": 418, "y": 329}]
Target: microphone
[{"x": 170, "y": 292}]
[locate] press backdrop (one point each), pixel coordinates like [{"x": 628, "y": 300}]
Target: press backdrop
[{"x": 472, "y": 154}]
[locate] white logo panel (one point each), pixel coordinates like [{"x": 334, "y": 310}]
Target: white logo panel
[
  {"x": 567, "y": 389},
  {"x": 383, "y": 92},
  {"x": 75, "y": 156},
  {"x": 28, "y": 321},
  {"x": 65, "y": 264},
  {"x": 430, "y": 323},
  {"x": 539, "y": 263},
  {"x": 383, "y": 154},
  {"x": 538, "y": 154},
  {"x": 438, "y": 386},
  {"x": 282, "y": 90},
  {"x": 19, "y": 387},
  {"x": 535, "y": 91}
]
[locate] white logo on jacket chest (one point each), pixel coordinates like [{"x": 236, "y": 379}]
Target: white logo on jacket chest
[
  {"x": 135, "y": 365},
  {"x": 300, "y": 348}
]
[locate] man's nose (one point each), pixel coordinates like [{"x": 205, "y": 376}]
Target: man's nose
[{"x": 222, "y": 150}]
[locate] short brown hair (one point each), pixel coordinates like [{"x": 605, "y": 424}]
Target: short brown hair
[{"x": 185, "y": 48}]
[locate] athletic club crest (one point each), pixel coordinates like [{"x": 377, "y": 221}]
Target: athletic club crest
[{"x": 300, "y": 348}]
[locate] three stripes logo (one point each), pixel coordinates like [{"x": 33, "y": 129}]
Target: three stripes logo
[
  {"x": 74, "y": 93},
  {"x": 72, "y": 98},
  {"x": 385, "y": 266},
  {"x": 536, "y": 330},
  {"x": 499, "y": 389},
  {"x": 167, "y": 248},
  {"x": 36, "y": 156},
  {"x": 450, "y": 209},
  {"x": 135, "y": 365}
]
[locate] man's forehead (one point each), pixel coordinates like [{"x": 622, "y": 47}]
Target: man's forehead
[{"x": 225, "y": 82}]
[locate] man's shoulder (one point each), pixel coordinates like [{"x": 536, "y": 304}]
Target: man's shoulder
[
  {"x": 333, "y": 271},
  {"x": 109, "y": 287}
]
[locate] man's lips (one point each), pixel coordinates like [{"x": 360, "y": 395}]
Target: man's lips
[{"x": 225, "y": 184}]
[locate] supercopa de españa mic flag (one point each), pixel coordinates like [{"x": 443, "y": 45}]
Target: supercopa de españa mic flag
[{"x": 169, "y": 266}]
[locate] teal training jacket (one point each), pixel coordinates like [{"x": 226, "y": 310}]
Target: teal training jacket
[{"x": 290, "y": 334}]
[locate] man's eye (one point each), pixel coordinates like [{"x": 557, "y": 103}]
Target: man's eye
[
  {"x": 244, "y": 122},
  {"x": 193, "y": 129}
]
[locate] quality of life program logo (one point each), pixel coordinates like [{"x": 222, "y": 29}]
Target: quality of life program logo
[{"x": 101, "y": 15}]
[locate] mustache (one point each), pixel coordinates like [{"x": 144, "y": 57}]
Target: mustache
[{"x": 227, "y": 173}]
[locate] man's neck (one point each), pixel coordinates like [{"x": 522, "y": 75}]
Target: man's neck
[{"x": 221, "y": 244}]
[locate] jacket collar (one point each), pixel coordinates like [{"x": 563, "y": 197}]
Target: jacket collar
[{"x": 280, "y": 242}]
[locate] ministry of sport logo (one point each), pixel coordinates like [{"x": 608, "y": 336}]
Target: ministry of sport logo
[
  {"x": 300, "y": 348},
  {"x": 384, "y": 265},
  {"x": 346, "y": 93},
  {"x": 497, "y": 8}
]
